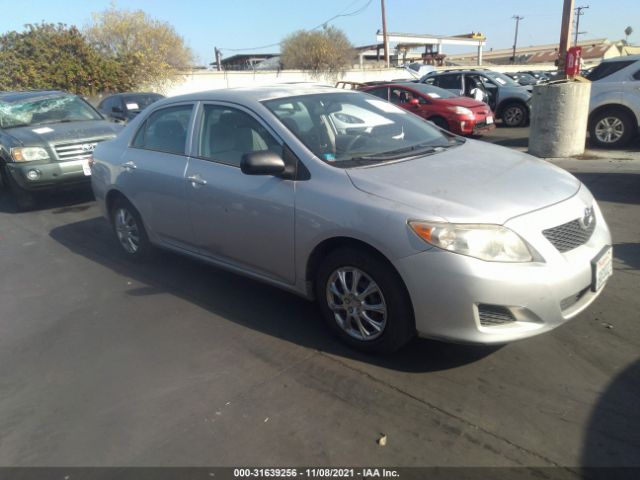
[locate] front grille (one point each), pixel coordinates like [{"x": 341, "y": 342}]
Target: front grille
[
  {"x": 75, "y": 151},
  {"x": 572, "y": 299},
  {"x": 493, "y": 315},
  {"x": 569, "y": 235}
]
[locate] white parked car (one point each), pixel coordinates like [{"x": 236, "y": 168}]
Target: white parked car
[{"x": 614, "y": 109}]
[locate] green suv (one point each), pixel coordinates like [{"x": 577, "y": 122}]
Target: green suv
[{"x": 46, "y": 141}]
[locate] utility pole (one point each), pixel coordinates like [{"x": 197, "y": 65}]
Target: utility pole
[
  {"x": 578, "y": 14},
  {"x": 517, "y": 18},
  {"x": 565, "y": 34},
  {"x": 384, "y": 35},
  {"x": 218, "y": 59}
]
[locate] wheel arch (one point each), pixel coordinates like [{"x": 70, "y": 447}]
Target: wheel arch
[{"x": 613, "y": 107}]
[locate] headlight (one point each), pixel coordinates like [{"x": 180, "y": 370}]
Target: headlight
[
  {"x": 461, "y": 111},
  {"x": 492, "y": 243},
  {"x": 29, "y": 154}
]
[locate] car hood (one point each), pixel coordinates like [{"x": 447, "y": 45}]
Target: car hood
[
  {"x": 53, "y": 133},
  {"x": 473, "y": 183}
]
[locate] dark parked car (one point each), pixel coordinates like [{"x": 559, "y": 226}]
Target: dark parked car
[
  {"x": 523, "y": 78},
  {"x": 46, "y": 140},
  {"x": 122, "y": 107},
  {"x": 507, "y": 99}
]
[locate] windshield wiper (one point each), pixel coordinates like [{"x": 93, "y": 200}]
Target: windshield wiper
[{"x": 411, "y": 151}]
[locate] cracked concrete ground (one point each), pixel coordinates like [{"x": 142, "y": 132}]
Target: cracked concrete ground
[{"x": 103, "y": 362}]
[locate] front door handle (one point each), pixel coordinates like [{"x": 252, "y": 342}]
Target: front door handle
[
  {"x": 196, "y": 180},
  {"x": 128, "y": 166}
]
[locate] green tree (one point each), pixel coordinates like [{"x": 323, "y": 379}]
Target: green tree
[
  {"x": 324, "y": 53},
  {"x": 55, "y": 56},
  {"x": 150, "y": 51}
]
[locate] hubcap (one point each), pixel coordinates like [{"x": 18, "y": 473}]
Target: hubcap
[
  {"x": 357, "y": 303},
  {"x": 609, "y": 130},
  {"x": 127, "y": 230},
  {"x": 513, "y": 115}
]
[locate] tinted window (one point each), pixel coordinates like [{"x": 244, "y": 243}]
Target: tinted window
[
  {"x": 165, "y": 130},
  {"x": 227, "y": 134},
  {"x": 136, "y": 103},
  {"x": 380, "y": 92},
  {"x": 637, "y": 75},
  {"x": 453, "y": 82},
  {"x": 607, "y": 68}
]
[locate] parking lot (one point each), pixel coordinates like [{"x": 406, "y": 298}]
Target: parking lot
[{"x": 105, "y": 362}]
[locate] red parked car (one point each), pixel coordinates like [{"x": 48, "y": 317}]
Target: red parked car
[{"x": 461, "y": 115}]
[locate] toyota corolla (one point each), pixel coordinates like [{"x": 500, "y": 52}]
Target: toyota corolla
[{"x": 393, "y": 226}]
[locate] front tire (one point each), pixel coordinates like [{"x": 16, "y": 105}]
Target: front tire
[
  {"x": 24, "y": 199},
  {"x": 611, "y": 128},
  {"x": 515, "y": 115},
  {"x": 129, "y": 230},
  {"x": 364, "y": 302}
]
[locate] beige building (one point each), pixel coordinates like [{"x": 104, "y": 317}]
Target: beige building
[{"x": 593, "y": 52}]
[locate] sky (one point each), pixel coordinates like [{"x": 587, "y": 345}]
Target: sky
[{"x": 240, "y": 24}]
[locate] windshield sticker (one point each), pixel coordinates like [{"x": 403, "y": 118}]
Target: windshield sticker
[
  {"x": 385, "y": 106},
  {"x": 133, "y": 106},
  {"x": 42, "y": 130}
]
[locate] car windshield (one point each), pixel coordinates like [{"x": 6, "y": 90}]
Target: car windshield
[
  {"x": 140, "y": 102},
  {"x": 432, "y": 91},
  {"x": 352, "y": 128},
  {"x": 43, "y": 110},
  {"x": 501, "y": 78}
]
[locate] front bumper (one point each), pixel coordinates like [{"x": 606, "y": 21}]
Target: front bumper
[
  {"x": 448, "y": 290},
  {"x": 50, "y": 175},
  {"x": 473, "y": 127}
]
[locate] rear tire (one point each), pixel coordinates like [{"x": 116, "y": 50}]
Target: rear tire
[
  {"x": 129, "y": 230},
  {"x": 514, "y": 115},
  {"x": 374, "y": 314},
  {"x": 611, "y": 128}
]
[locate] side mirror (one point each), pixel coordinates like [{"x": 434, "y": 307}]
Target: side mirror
[
  {"x": 414, "y": 102},
  {"x": 262, "y": 163}
]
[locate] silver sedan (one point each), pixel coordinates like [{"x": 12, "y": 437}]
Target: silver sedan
[{"x": 393, "y": 226}]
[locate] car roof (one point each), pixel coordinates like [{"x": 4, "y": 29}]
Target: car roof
[
  {"x": 18, "y": 96},
  {"x": 123, "y": 94},
  {"x": 628, "y": 58},
  {"x": 256, "y": 94}
]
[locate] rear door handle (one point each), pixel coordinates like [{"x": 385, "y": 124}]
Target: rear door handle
[
  {"x": 196, "y": 180},
  {"x": 128, "y": 166}
]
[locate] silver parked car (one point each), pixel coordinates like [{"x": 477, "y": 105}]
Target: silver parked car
[{"x": 394, "y": 226}]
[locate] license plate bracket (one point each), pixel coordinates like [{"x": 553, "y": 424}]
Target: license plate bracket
[{"x": 601, "y": 268}]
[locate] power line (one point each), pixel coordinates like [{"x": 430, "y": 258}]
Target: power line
[{"x": 339, "y": 15}]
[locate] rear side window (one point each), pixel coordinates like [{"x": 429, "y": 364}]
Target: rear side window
[
  {"x": 607, "y": 68},
  {"x": 165, "y": 130},
  {"x": 380, "y": 92},
  {"x": 452, "y": 82}
]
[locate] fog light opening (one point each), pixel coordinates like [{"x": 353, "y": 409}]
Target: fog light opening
[{"x": 33, "y": 174}]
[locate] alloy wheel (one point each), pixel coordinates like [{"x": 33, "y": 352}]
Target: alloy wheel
[
  {"x": 513, "y": 116},
  {"x": 127, "y": 230},
  {"x": 357, "y": 303},
  {"x": 609, "y": 129}
]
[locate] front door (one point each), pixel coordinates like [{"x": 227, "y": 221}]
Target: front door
[{"x": 243, "y": 220}]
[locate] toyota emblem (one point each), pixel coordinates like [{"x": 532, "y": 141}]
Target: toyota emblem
[
  {"x": 587, "y": 219},
  {"x": 88, "y": 147}
]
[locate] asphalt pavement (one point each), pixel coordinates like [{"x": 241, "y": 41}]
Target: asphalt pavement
[{"x": 105, "y": 362}]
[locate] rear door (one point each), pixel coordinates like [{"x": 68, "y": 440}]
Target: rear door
[{"x": 152, "y": 173}]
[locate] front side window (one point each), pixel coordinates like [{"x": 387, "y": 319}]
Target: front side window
[
  {"x": 401, "y": 96},
  {"x": 46, "y": 109},
  {"x": 227, "y": 134},
  {"x": 165, "y": 130},
  {"x": 384, "y": 132},
  {"x": 451, "y": 82}
]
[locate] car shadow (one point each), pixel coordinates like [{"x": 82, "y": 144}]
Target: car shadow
[
  {"x": 612, "y": 437},
  {"x": 247, "y": 302},
  {"x": 612, "y": 187},
  {"x": 59, "y": 201},
  {"x": 629, "y": 254}
]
